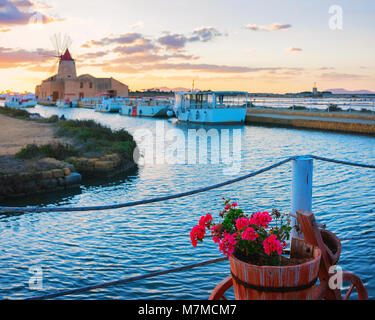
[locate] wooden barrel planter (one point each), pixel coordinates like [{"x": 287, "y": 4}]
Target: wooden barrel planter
[{"x": 290, "y": 282}]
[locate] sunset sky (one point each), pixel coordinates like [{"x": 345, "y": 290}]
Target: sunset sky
[{"x": 256, "y": 46}]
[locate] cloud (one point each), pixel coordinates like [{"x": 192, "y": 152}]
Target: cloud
[
  {"x": 176, "y": 41},
  {"x": 138, "y": 25},
  {"x": 293, "y": 49},
  {"x": 205, "y": 34},
  {"x": 127, "y": 64},
  {"x": 13, "y": 58},
  {"x": 342, "y": 76},
  {"x": 22, "y": 12},
  {"x": 125, "y": 38},
  {"x": 143, "y": 45},
  {"x": 173, "y": 41},
  {"x": 272, "y": 27}
]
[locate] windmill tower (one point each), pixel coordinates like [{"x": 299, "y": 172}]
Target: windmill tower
[{"x": 67, "y": 65}]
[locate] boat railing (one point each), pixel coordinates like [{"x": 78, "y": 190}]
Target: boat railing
[{"x": 302, "y": 168}]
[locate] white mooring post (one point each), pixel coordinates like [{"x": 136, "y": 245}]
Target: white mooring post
[{"x": 302, "y": 170}]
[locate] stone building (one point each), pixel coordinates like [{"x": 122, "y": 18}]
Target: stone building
[{"x": 67, "y": 85}]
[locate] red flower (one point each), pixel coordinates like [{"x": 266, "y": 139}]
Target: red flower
[
  {"x": 242, "y": 223},
  {"x": 216, "y": 232},
  {"x": 197, "y": 234},
  {"x": 205, "y": 221},
  {"x": 261, "y": 219},
  {"x": 227, "y": 244},
  {"x": 271, "y": 244},
  {"x": 249, "y": 234}
]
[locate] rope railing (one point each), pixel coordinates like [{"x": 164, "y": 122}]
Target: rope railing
[
  {"x": 159, "y": 199},
  {"x": 178, "y": 195},
  {"x": 146, "y": 201}
]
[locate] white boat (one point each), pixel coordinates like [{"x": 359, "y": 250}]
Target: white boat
[
  {"x": 147, "y": 107},
  {"x": 110, "y": 105},
  {"x": 19, "y": 101},
  {"x": 211, "y": 107}
]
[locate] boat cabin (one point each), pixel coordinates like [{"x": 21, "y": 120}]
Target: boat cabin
[{"x": 211, "y": 99}]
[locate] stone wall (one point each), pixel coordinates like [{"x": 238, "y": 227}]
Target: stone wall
[
  {"x": 104, "y": 166},
  {"x": 22, "y": 184}
]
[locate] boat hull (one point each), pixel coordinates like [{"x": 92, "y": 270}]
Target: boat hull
[
  {"x": 212, "y": 116},
  {"x": 145, "y": 111},
  {"x": 20, "y": 105}
]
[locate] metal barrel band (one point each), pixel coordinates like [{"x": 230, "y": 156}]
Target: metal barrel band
[{"x": 273, "y": 289}]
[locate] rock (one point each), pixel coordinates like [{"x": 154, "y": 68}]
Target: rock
[
  {"x": 58, "y": 173},
  {"x": 46, "y": 174}
]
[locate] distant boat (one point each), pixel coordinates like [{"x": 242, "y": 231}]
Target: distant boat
[
  {"x": 158, "y": 107},
  {"x": 110, "y": 105},
  {"x": 211, "y": 107},
  {"x": 19, "y": 101}
]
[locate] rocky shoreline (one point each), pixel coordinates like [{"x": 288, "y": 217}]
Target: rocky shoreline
[{"x": 26, "y": 177}]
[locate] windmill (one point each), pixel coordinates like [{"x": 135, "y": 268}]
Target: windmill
[{"x": 60, "y": 45}]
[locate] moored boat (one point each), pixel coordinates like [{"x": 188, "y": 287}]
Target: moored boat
[
  {"x": 211, "y": 107},
  {"x": 19, "y": 101},
  {"x": 109, "y": 105},
  {"x": 157, "y": 107}
]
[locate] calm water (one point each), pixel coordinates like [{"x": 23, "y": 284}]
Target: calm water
[{"x": 81, "y": 248}]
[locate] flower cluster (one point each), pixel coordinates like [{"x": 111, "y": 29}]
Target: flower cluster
[
  {"x": 227, "y": 244},
  {"x": 271, "y": 244},
  {"x": 247, "y": 236},
  {"x": 261, "y": 219},
  {"x": 198, "y": 232}
]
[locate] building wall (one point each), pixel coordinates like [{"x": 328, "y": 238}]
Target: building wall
[{"x": 75, "y": 88}]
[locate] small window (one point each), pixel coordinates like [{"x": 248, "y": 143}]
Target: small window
[
  {"x": 81, "y": 85},
  {"x": 90, "y": 85}
]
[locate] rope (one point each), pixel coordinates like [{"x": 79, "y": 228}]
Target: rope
[
  {"x": 348, "y": 163},
  {"x": 141, "y": 202},
  {"x": 126, "y": 280}
]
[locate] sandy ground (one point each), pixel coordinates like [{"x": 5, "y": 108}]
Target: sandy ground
[{"x": 16, "y": 134}]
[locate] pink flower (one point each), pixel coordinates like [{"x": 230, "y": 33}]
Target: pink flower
[
  {"x": 234, "y": 204},
  {"x": 197, "y": 234},
  {"x": 249, "y": 234},
  {"x": 205, "y": 221},
  {"x": 227, "y": 244},
  {"x": 271, "y": 244},
  {"x": 227, "y": 206},
  {"x": 261, "y": 219},
  {"x": 216, "y": 232},
  {"x": 242, "y": 223}
]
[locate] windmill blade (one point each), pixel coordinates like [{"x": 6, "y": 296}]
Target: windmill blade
[
  {"x": 55, "y": 43},
  {"x": 66, "y": 43}
]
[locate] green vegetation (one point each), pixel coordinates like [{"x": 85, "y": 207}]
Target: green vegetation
[
  {"x": 58, "y": 151},
  {"x": 16, "y": 113},
  {"x": 97, "y": 138}
]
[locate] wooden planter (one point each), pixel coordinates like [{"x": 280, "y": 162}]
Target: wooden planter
[{"x": 295, "y": 282}]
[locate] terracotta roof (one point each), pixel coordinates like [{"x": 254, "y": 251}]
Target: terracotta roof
[{"x": 66, "y": 56}]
